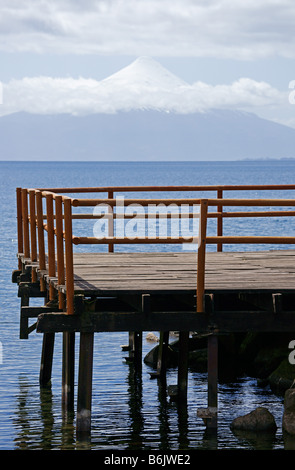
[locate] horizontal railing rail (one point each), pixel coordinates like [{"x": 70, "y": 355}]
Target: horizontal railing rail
[
  {"x": 45, "y": 226},
  {"x": 184, "y": 188}
]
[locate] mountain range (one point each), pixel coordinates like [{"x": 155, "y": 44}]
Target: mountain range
[{"x": 144, "y": 128}]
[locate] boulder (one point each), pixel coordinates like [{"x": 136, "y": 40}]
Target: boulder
[
  {"x": 151, "y": 357},
  {"x": 282, "y": 377},
  {"x": 197, "y": 355},
  {"x": 259, "y": 419},
  {"x": 267, "y": 360},
  {"x": 288, "y": 423}
]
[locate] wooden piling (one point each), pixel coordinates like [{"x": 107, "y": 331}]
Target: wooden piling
[
  {"x": 183, "y": 365},
  {"x": 84, "y": 398},
  {"x": 135, "y": 348},
  {"x": 46, "y": 359},
  {"x": 162, "y": 355},
  {"x": 212, "y": 379},
  {"x": 68, "y": 371}
]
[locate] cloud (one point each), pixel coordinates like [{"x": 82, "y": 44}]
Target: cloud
[
  {"x": 207, "y": 28},
  {"x": 46, "y": 95}
]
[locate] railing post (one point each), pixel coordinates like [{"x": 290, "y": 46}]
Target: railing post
[
  {"x": 219, "y": 219},
  {"x": 60, "y": 249},
  {"x": 51, "y": 242},
  {"x": 25, "y": 217},
  {"x": 111, "y": 221},
  {"x": 212, "y": 347},
  {"x": 69, "y": 255},
  {"x": 33, "y": 227},
  {"x": 68, "y": 352},
  {"x": 41, "y": 242},
  {"x": 20, "y": 243},
  {"x": 201, "y": 255}
]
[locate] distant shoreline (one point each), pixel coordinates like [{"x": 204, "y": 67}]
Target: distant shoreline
[{"x": 264, "y": 159}]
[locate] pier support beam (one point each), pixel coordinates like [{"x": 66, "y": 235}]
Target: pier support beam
[
  {"x": 83, "y": 426},
  {"x": 162, "y": 356},
  {"x": 68, "y": 371},
  {"x": 46, "y": 359},
  {"x": 209, "y": 414},
  {"x": 135, "y": 348},
  {"x": 23, "y": 326}
]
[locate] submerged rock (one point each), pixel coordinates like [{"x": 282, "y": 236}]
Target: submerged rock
[{"x": 259, "y": 419}]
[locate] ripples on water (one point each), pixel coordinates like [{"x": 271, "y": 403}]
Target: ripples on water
[{"x": 129, "y": 411}]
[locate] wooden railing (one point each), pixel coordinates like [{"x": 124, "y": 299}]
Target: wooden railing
[{"x": 45, "y": 227}]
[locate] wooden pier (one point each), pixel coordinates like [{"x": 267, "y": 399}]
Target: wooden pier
[{"x": 84, "y": 288}]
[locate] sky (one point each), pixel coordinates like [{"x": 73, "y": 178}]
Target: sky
[{"x": 239, "y": 54}]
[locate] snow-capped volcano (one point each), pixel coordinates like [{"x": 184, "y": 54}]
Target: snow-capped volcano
[
  {"x": 145, "y": 73},
  {"x": 144, "y": 84}
]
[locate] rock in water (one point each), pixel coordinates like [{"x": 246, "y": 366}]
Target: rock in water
[
  {"x": 289, "y": 411},
  {"x": 258, "y": 420},
  {"x": 152, "y": 338}
]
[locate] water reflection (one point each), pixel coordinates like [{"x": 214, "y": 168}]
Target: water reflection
[
  {"x": 289, "y": 441},
  {"x": 145, "y": 418},
  {"x": 37, "y": 423},
  {"x": 257, "y": 440},
  {"x": 164, "y": 426},
  {"x": 135, "y": 404}
]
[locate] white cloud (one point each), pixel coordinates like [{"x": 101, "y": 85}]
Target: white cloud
[
  {"x": 46, "y": 95},
  {"x": 215, "y": 28}
]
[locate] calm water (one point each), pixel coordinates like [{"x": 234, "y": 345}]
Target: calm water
[{"x": 129, "y": 412}]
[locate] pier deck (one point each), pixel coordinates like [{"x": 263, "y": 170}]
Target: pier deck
[
  {"x": 244, "y": 291},
  {"x": 171, "y": 273}
]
